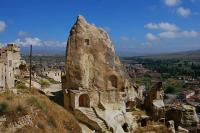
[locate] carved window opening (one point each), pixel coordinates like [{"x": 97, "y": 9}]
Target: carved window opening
[
  {"x": 113, "y": 80},
  {"x": 10, "y": 63},
  {"x": 123, "y": 89},
  {"x": 87, "y": 42}
]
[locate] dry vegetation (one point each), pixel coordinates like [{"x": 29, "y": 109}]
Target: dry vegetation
[
  {"x": 152, "y": 128},
  {"x": 46, "y": 116},
  {"x": 138, "y": 113}
]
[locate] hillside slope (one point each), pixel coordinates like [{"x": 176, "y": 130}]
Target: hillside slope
[
  {"x": 190, "y": 55},
  {"x": 31, "y": 111}
]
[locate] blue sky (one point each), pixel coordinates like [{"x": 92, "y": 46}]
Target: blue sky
[{"x": 135, "y": 26}]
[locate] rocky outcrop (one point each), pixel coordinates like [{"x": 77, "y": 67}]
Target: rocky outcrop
[
  {"x": 92, "y": 65},
  {"x": 170, "y": 126},
  {"x": 95, "y": 79},
  {"x": 90, "y": 55},
  {"x": 183, "y": 115},
  {"x": 154, "y": 101}
]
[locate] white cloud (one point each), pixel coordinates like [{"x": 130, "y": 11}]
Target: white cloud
[
  {"x": 55, "y": 43},
  {"x": 163, "y": 26},
  {"x": 172, "y": 34},
  {"x": 168, "y": 27},
  {"x": 151, "y": 37},
  {"x": 190, "y": 34},
  {"x": 151, "y": 26},
  {"x": 172, "y": 2},
  {"x": 35, "y": 41},
  {"x": 22, "y": 34},
  {"x": 2, "y": 26},
  {"x": 29, "y": 41},
  {"x": 184, "y": 12},
  {"x": 168, "y": 34}
]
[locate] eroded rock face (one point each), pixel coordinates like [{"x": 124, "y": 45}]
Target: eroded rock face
[
  {"x": 183, "y": 115},
  {"x": 90, "y": 57},
  {"x": 91, "y": 62}
]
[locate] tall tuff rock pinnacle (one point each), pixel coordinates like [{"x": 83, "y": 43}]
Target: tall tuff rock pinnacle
[{"x": 91, "y": 63}]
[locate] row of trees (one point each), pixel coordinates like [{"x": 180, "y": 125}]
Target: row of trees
[{"x": 173, "y": 67}]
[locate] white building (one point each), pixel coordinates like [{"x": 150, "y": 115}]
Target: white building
[
  {"x": 54, "y": 74},
  {"x": 10, "y": 60}
]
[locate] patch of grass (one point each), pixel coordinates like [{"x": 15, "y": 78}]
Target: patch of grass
[
  {"x": 38, "y": 104},
  {"x": 9, "y": 95},
  {"x": 3, "y": 108},
  {"x": 176, "y": 84},
  {"x": 51, "y": 80},
  {"x": 44, "y": 83},
  {"x": 21, "y": 85},
  {"x": 52, "y": 122},
  {"x": 144, "y": 81}
]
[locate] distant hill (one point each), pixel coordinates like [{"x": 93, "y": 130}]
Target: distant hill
[
  {"x": 44, "y": 51},
  {"x": 190, "y": 55}
]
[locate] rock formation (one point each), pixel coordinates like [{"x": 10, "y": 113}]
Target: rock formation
[
  {"x": 91, "y": 63},
  {"x": 183, "y": 115},
  {"x": 94, "y": 75},
  {"x": 154, "y": 102}
]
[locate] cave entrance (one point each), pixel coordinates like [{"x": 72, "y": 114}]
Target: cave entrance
[
  {"x": 113, "y": 80},
  {"x": 125, "y": 127}
]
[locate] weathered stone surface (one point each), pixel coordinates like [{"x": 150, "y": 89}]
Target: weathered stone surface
[
  {"x": 95, "y": 78},
  {"x": 170, "y": 125},
  {"x": 183, "y": 115},
  {"x": 92, "y": 65},
  {"x": 182, "y": 130},
  {"x": 154, "y": 101},
  {"x": 90, "y": 57}
]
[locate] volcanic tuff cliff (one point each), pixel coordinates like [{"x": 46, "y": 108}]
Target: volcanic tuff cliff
[
  {"x": 95, "y": 79},
  {"x": 89, "y": 53},
  {"x": 91, "y": 62}
]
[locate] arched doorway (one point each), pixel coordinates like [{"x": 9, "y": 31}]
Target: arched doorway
[
  {"x": 84, "y": 100},
  {"x": 113, "y": 80}
]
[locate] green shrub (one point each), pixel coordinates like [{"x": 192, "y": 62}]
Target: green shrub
[
  {"x": 3, "y": 108},
  {"x": 38, "y": 104},
  {"x": 44, "y": 83},
  {"x": 170, "y": 89},
  {"x": 9, "y": 95},
  {"x": 21, "y": 85},
  {"x": 53, "y": 81}
]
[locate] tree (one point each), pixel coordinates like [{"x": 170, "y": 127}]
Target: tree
[{"x": 170, "y": 89}]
